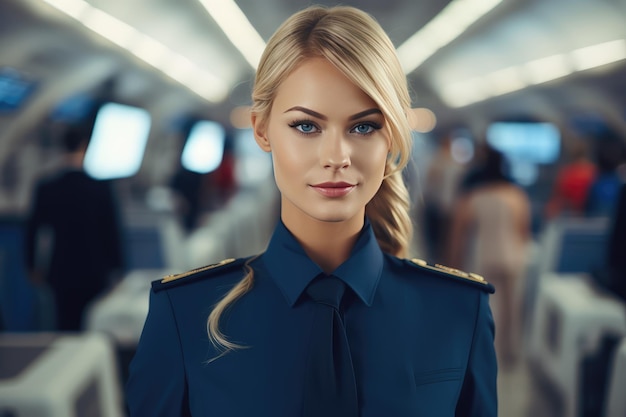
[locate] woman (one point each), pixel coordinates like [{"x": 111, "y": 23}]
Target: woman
[
  {"x": 491, "y": 230},
  {"x": 405, "y": 339}
]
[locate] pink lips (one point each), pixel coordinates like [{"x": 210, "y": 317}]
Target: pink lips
[{"x": 333, "y": 189}]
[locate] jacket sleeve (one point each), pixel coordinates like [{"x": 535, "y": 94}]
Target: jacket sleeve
[
  {"x": 478, "y": 396},
  {"x": 156, "y": 385}
]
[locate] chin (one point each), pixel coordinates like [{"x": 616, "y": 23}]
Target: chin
[{"x": 334, "y": 216}]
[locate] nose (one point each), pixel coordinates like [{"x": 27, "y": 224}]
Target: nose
[{"x": 334, "y": 151}]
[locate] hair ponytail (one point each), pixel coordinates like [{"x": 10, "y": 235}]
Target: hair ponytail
[
  {"x": 388, "y": 213},
  {"x": 217, "y": 338}
]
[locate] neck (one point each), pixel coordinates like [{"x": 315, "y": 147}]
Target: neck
[{"x": 328, "y": 244}]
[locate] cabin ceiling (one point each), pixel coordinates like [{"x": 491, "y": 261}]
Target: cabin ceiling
[{"x": 55, "y": 49}]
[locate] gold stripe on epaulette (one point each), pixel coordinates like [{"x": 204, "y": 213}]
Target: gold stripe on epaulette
[
  {"x": 174, "y": 277},
  {"x": 452, "y": 271}
]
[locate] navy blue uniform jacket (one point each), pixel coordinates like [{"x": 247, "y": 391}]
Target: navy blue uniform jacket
[{"x": 421, "y": 339}]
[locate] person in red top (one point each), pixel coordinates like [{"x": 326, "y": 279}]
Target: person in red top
[{"x": 572, "y": 184}]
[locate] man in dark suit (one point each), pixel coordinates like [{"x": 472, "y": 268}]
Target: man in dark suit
[{"x": 77, "y": 216}]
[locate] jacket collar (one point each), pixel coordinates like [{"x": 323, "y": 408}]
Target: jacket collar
[{"x": 292, "y": 270}]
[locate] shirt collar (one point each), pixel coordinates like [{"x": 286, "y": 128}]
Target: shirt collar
[{"x": 292, "y": 270}]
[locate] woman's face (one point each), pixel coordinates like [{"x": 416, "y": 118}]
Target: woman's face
[{"x": 328, "y": 144}]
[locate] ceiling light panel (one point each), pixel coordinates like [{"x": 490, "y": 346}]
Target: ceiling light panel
[
  {"x": 237, "y": 28},
  {"x": 453, "y": 20},
  {"x": 177, "y": 66}
]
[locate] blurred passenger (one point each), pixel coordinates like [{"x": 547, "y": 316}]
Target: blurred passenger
[
  {"x": 573, "y": 180},
  {"x": 475, "y": 171},
  {"x": 189, "y": 191},
  {"x": 332, "y": 319},
  {"x": 73, "y": 238},
  {"x": 604, "y": 190},
  {"x": 223, "y": 180},
  {"x": 614, "y": 273},
  {"x": 197, "y": 194},
  {"x": 440, "y": 190},
  {"x": 490, "y": 233}
]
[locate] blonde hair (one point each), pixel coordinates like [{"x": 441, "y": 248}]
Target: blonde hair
[{"x": 355, "y": 43}]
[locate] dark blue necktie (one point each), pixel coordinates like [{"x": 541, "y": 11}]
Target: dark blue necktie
[{"x": 330, "y": 387}]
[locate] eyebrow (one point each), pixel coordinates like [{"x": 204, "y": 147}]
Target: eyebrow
[{"x": 321, "y": 116}]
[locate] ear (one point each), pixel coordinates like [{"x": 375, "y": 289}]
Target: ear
[{"x": 260, "y": 133}]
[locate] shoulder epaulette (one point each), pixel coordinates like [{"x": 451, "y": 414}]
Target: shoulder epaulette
[
  {"x": 446, "y": 271},
  {"x": 215, "y": 269}
]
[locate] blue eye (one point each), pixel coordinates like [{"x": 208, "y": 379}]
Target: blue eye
[
  {"x": 304, "y": 126},
  {"x": 364, "y": 128}
]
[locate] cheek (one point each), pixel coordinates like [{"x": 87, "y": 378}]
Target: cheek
[
  {"x": 381, "y": 165},
  {"x": 290, "y": 160},
  {"x": 374, "y": 159}
]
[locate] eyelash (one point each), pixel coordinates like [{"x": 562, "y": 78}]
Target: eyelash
[{"x": 296, "y": 124}]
